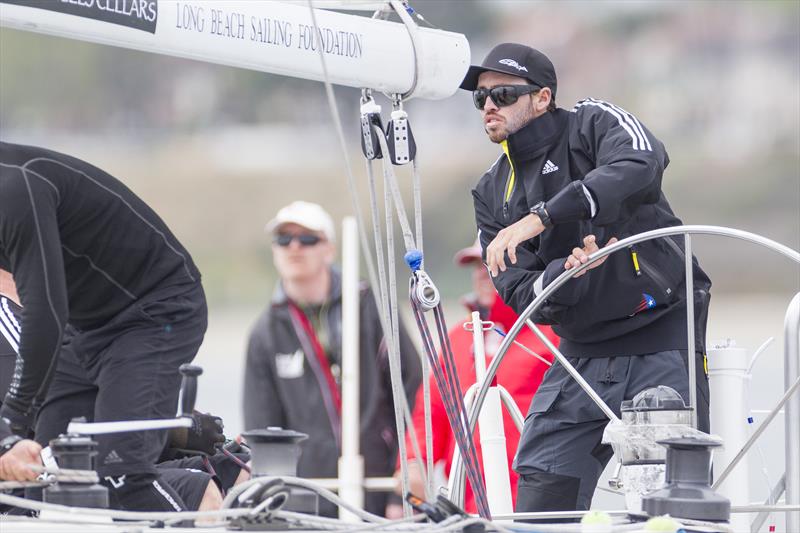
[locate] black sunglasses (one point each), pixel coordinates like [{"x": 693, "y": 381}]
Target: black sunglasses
[
  {"x": 305, "y": 239},
  {"x": 502, "y": 95}
]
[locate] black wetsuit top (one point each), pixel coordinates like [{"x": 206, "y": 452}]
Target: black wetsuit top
[{"x": 82, "y": 247}]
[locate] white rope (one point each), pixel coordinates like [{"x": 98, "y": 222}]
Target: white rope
[
  {"x": 391, "y": 331},
  {"x": 388, "y": 329},
  {"x": 417, "y": 191},
  {"x": 385, "y": 312},
  {"x": 415, "y": 447},
  {"x": 376, "y": 234},
  {"x": 12, "y": 485},
  {"x": 392, "y": 196},
  {"x": 426, "y": 370},
  {"x": 426, "y": 398},
  {"x": 63, "y": 475},
  {"x": 394, "y": 353},
  {"x": 390, "y": 187}
]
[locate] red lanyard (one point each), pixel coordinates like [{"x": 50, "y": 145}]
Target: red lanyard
[{"x": 300, "y": 317}]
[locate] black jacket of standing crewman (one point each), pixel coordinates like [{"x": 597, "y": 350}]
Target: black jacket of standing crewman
[{"x": 606, "y": 312}]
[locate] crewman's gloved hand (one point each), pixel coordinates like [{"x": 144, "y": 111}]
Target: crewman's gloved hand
[
  {"x": 204, "y": 435},
  {"x": 20, "y": 423}
]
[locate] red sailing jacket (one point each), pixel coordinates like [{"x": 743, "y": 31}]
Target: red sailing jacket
[{"x": 520, "y": 373}]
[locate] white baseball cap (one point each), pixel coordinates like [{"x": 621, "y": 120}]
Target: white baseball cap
[{"x": 306, "y": 214}]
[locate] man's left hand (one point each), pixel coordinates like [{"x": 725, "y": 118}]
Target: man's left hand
[
  {"x": 580, "y": 256},
  {"x": 508, "y": 239}
]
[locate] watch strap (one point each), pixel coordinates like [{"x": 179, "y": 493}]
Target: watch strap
[{"x": 540, "y": 210}]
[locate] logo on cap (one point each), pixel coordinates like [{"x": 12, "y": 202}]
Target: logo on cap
[{"x": 512, "y": 63}]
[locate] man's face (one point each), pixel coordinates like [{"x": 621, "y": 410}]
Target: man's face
[
  {"x": 301, "y": 262},
  {"x": 500, "y": 122}
]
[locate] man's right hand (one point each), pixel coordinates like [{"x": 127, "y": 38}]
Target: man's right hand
[
  {"x": 15, "y": 463},
  {"x": 507, "y": 240}
]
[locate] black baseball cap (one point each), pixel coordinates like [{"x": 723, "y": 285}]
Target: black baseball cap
[{"x": 517, "y": 60}]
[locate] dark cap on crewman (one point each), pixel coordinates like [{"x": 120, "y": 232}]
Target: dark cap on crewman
[{"x": 517, "y": 60}]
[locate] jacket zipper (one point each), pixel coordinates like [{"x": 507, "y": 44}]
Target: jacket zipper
[
  {"x": 511, "y": 181},
  {"x": 656, "y": 276},
  {"x": 635, "y": 259}
]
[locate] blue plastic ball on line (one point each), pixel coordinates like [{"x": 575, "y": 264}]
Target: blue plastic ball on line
[{"x": 413, "y": 259}]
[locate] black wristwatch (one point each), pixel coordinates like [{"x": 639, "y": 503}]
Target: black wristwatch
[
  {"x": 8, "y": 443},
  {"x": 541, "y": 211}
]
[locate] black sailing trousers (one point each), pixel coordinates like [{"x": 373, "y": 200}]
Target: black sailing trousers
[{"x": 127, "y": 369}]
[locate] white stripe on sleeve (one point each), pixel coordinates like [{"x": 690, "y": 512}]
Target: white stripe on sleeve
[
  {"x": 4, "y": 304},
  {"x": 9, "y": 327},
  {"x": 537, "y": 285},
  {"x": 638, "y": 139},
  {"x": 592, "y": 205},
  {"x": 631, "y": 120}
]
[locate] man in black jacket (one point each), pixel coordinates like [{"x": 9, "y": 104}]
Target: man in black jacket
[
  {"x": 293, "y": 371},
  {"x": 566, "y": 183},
  {"x": 113, "y": 305}
]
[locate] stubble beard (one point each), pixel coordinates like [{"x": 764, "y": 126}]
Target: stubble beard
[
  {"x": 510, "y": 125},
  {"x": 497, "y": 135}
]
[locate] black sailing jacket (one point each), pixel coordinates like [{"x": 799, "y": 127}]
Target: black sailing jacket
[
  {"x": 82, "y": 247},
  {"x": 615, "y": 309}
]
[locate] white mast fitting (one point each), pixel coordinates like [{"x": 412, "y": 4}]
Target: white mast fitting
[{"x": 266, "y": 36}]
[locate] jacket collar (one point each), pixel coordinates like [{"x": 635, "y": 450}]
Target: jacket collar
[
  {"x": 537, "y": 134},
  {"x": 280, "y": 298}
]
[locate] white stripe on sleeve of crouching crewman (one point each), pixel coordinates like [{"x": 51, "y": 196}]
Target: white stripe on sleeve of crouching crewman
[{"x": 9, "y": 327}]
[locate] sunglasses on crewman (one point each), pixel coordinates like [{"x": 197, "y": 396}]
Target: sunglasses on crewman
[
  {"x": 502, "y": 95},
  {"x": 305, "y": 239}
]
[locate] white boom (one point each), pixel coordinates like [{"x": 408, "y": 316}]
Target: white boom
[{"x": 266, "y": 36}]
